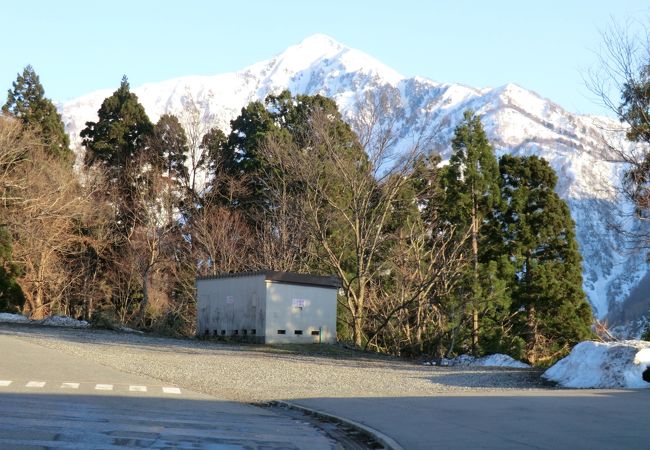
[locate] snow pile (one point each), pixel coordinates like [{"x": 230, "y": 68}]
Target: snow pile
[
  {"x": 63, "y": 321},
  {"x": 54, "y": 321},
  {"x": 500, "y": 360},
  {"x": 604, "y": 365},
  {"x": 496, "y": 360},
  {"x": 16, "y": 318}
]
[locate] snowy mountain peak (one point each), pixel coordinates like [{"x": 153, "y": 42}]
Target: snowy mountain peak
[
  {"x": 518, "y": 121},
  {"x": 320, "y": 43},
  {"x": 322, "y": 56}
]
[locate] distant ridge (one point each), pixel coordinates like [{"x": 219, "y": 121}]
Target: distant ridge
[{"x": 517, "y": 120}]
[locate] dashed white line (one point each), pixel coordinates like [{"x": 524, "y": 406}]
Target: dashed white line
[
  {"x": 171, "y": 390},
  {"x": 138, "y": 388},
  {"x": 98, "y": 387}
]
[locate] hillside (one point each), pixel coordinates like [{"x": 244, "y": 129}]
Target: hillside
[{"x": 422, "y": 111}]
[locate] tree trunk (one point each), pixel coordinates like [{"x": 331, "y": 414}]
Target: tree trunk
[
  {"x": 358, "y": 318},
  {"x": 145, "y": 294},
  {"x": 531, "y": 323},
  {"x": 357, "y": 334},
  {"x": 475, "y": 327}
]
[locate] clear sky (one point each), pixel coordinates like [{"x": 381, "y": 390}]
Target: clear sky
[{"x": 80, "y": 46}]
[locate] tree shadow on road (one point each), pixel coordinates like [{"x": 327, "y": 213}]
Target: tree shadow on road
[{"x": 29, "y": 420}]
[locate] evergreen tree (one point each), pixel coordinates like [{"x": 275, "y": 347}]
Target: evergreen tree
[
  {"x": 168, "y": 148},
  {"x": 472, "y": 193},
  {"x": 27, "y": 102},
  {"x": 117, "y": 142},
  {"x": 213, "y": 161},
  {"x": 285, "y": 119},
  {"x": 168, "y": 144},
  {"x": 539, "y": 237},
  {"x": 635, "y": 105},
  {"x": 212, "y": 145},
  {"x": 634, "y": 111},
  {"x": 246, "y": 137}
]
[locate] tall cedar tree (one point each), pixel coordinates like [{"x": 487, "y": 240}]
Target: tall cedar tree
[
  {"x": 241, "y": 154},
  {"x": 212, "y": 161},
  {"x": 168, "y": 148},
  {"x": 116, "y": 142},
  {"x": 27, "y": 102},
  {"x": 538, "y": 234},
  {"x": 472, "y": 193}
]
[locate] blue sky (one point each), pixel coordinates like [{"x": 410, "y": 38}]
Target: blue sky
[{"x": 80, "y": 46}]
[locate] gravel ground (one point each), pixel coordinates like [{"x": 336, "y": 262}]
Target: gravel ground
[{"x": 255, "y": 373}]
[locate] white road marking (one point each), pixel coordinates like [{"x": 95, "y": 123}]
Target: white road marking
[
  {"x": 171, "y": 390},
  {"x": 98, "y": 387}
]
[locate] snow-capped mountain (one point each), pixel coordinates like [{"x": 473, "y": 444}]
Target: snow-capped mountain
[{"x": 518, "y": 121}]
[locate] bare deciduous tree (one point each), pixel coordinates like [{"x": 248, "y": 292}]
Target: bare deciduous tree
[
  {"x": 222, "y": 241},
  {"x": 346, "y": 202},
  {"x": 196, "y": 120},
  {"x": 46, "y": 211},
  {"x": 411, "y": 309},
  {"x": 620, "y": 80}
]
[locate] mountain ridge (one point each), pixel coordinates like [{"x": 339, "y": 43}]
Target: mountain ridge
[{"x": 518, "y": 121}]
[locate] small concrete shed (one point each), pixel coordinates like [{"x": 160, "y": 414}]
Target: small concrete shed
[{"x": 268, "y": 307}]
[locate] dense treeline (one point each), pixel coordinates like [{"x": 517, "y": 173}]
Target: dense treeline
[{"x": 478, "y": 255}]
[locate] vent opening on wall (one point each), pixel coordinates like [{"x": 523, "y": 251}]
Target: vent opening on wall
[
  {"x": 244, "y": 332},
  {"x": 282, "y": 331},
  {"x": 253, "y": 331},
  {"x": 315, "y": 333},
  {"x": 223, "y": 332},
  {"x": 214, "y": 332},
  {"x": 297, "y": 332},
  {"x": 235, "y": 332}
]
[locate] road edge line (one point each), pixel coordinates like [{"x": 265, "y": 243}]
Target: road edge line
[{"x": 388, "y": 442}]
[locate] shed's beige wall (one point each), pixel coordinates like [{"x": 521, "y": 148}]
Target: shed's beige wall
[
  {"x": 319, "y": 311},
  {"x": 231, "y": 304}
]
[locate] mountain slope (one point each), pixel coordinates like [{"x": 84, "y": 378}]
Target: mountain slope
[{"x": 517, "y": 121}]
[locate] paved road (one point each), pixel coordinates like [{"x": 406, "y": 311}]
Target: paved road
[
  {"x": 539, "y": 419},
  {"x": 52, "y": 400}
]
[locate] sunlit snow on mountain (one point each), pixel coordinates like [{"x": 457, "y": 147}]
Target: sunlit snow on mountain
[{"x": 518, "y": 121}]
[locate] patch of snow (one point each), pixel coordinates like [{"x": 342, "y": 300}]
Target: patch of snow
[
  {"x": 63, "y": 321},
  {"x": 603, "y": 365},
  {"x": 496, "y": 360},
  {"x": 53, "y": 321},
  {"x": 129, "y": 330},
  {"x": 500, "y": 360},
  {"x": 15, "y": 318}
]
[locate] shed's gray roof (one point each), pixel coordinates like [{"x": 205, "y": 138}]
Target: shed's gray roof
[{"x": 284, "y": 277}]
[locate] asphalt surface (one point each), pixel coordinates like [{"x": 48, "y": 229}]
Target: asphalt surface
[
  {"x": 417, "y": 407},
  {"x": 49, "y": 399},
  {"x": 520, "y": 419}
]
